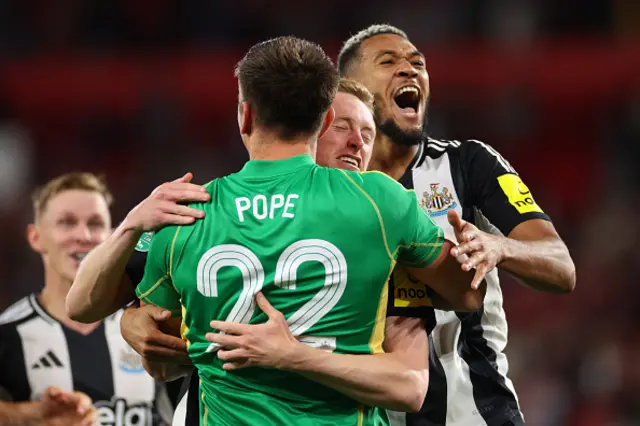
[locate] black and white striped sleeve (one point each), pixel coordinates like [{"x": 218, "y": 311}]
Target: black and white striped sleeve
[{"x": 496, "y": 188}]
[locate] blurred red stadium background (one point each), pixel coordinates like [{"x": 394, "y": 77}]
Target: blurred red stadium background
[{"x": 143, "y": 91}]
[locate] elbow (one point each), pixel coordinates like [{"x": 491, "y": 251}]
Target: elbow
[
  {"x": 564, "y": 279},
  {"x": 473, "y": 300},
  {"x": 568, "y": 282},
  {"x": 81, "y": 317},
  {"x": 414, "y": 399},
  {"x": 79, "y": 309},
  {"x": 74, "y": 309}
]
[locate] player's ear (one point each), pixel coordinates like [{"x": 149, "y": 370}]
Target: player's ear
[
  {"x": 33, "y": 237},
  {"x": 245, "y": 118},
  {"x": 328, "y": 119}
]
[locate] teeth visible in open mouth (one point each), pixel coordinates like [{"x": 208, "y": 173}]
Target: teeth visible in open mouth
[
  {"x": 79, "y": 256},
  {"x": 407, "y": 99},
  {"x": 349, "y": 160},
  {"x": 405, "y": 89}
]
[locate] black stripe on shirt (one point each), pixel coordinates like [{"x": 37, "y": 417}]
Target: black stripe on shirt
[
  {"x": 434, "y": 408},
  {"x": 494, "y": 400},
  {"x": 85, "y": 353},
  {"x": 13, "y": 368}
]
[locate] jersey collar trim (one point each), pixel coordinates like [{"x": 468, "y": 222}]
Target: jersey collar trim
[
  {"x": 265, "y": 168},
  {"x": 33, "y": 300}
]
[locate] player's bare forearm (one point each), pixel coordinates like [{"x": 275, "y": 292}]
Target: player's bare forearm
[
  {"x": 375, "y": 380},
  {"x": 451, "y": 283},
  {"x": 20, "y": 414},
  {"x": 533, "y": 251},
  {"x": 395, "y": 380},
  {"x": 101, "y": 286},
  {"x": 544, "y": 265},
  {"x": 165, "y": 371}
]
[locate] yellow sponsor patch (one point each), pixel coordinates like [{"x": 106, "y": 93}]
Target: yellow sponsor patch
[
  {"x": 519, "y": 195},
  {"x": 408, "y": 293}
]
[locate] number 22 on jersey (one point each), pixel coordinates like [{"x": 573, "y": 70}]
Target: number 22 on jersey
[{"x": 311, "y": 250}]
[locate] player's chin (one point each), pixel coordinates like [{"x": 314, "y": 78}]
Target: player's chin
[{"x": 408, "y": 121}]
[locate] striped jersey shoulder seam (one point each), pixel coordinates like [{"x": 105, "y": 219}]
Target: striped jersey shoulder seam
[
  {"x": 492, "y": 151},
  {"x": 443, "y": 143},
  {"x": 436, "y": 148},
  {"x": 17, "y": 311}
]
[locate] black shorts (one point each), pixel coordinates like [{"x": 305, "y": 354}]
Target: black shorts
[{"x": 193, "y": 400}]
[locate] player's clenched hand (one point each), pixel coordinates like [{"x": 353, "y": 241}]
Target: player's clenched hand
[
  {"x": 484, "y": 251},
  {"x": 140, "y": 327},
  {"x": 264, "y": 345},
  {"x": 162, "y": 207},
  {"x": 59, "y": 408}
]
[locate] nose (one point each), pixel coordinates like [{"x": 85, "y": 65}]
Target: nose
[
  {"x": 82, "y": 233},
  {"x": 407, "y": 70},
  {"x": 355, "y": 141}
]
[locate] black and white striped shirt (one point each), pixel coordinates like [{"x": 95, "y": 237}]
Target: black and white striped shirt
[
  {"x": 37, "y": 351},
  {"x": 468, "y": 382}
]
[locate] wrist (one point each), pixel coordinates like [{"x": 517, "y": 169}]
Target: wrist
[
  {"x": 128, "y": 228},
  {"x": 506, "y": 251},
  {"x": 298, "y": 358},
  {"x": 31, "y": 413}
]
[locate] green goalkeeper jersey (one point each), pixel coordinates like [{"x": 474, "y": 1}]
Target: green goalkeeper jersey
[{"x": 320, "y": 244}]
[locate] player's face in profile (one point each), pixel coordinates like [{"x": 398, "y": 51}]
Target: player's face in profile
[
  {"x": 348, "y": 142},
  {"x": 394, "y": 70},
  {"x": 73, "y": 223}
]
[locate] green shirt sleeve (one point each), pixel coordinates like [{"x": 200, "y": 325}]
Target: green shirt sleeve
[
  {"x": 418, "y": 239},
  {"x": 156, "y": 286},
  {"x": 425, "y": 239}
]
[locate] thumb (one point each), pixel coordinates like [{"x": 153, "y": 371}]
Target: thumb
[
  {"x": 82, "y": 402},
  {"x": 159, "y": 314},
  {"x": 266, "y": 307},
  {"x": 186, "y": 178},
  {"x": 454, "y": 219},
  {"x": 53, "y": 392}
]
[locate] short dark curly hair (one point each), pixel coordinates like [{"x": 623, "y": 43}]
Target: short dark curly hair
[
  {"x": 350, "y": 51},
  {"x": 290, "y": 82}
]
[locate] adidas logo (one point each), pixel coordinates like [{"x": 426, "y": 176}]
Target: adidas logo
[{"x": 48, "y": 360}]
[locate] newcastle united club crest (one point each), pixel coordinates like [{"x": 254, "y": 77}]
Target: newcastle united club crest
[{"x": 438, "y": 200}]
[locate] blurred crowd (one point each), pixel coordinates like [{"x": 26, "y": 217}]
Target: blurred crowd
[{"x": 143, "y": 91}]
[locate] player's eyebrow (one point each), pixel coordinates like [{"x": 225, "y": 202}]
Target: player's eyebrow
[
  {"x": 385, "y": 52},
  {"x": 416, "y": 53},
  {"x": 394, "y": 53}
]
